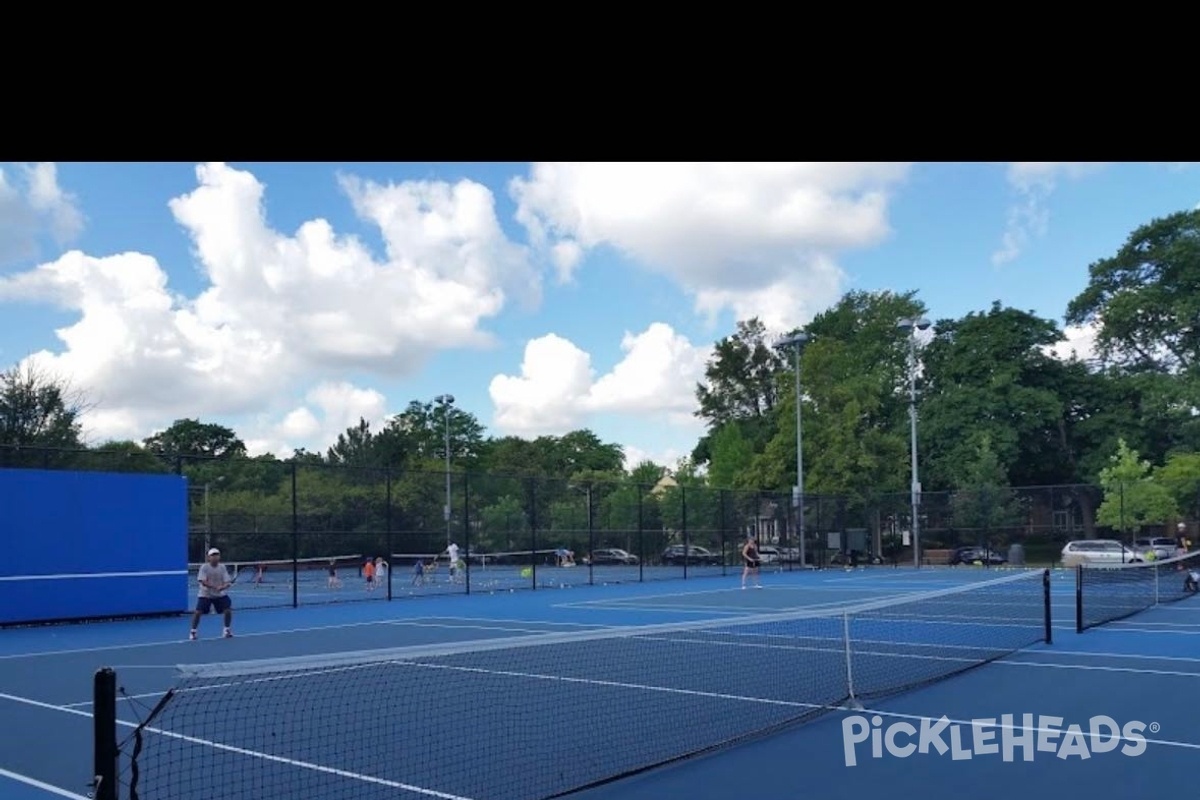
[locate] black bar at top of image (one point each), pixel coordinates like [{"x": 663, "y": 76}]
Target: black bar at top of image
[{"x": 104, "y": 723}]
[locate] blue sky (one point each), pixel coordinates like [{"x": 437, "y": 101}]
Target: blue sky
[{"x": 543, "y": 296}]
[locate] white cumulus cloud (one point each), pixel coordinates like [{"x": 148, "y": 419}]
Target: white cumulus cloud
[
  {"x": 282, "y": 311},
  {"x": 1080, "y": 343},
  {"x": 329, "y": 409},
  {"x": 757, "y": 239},
  {"x": 1028, "y": 217},
  {"x": 32, "y": 205},
  {"x": 557, "y": 388}
]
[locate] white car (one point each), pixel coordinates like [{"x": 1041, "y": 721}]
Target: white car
[
  {"x": 769, "y": 555},
  {"x": 1161, "y": 546},
  {"x": 1098, "y": 551}
]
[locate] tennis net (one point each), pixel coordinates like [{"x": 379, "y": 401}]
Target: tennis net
[
  {"x": 280, "y": 570},
  {"x": 1110, "y": 592},
  {"x": 542, "y": 716}
]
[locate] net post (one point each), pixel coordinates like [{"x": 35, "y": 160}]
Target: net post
[
  {"x": 466, "y": 495},
  {"x": 1156, "y": 575},
  {"x": 1047, "y": 606},
  {"x": 1079, "y": 598},
  {"x": 852, "y": 702},
  {"x": 104, "y": 723},
  {"x": 295, "y": 542}
]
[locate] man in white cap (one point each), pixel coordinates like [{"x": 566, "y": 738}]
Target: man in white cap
[{"x": 214, "y": 581}]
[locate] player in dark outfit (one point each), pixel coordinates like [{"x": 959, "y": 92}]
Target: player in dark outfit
[{"x": 752, "y": 561}]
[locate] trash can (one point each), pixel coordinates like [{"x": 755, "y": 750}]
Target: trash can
[{"x": 1016, "y": 555}]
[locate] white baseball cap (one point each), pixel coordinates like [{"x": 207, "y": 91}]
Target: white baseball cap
[{"x": 214, "y": 552}]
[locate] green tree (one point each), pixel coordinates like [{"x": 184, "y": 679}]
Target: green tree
[
  {"x": 38, "y": 410},
  {"x": 740, "y": 384},
  {"x": 853, "y": 367},
  {"x": 1131, "y": 500},
  {"x": 1180, "y": 476},
  {"x": 732, "y": 455},
  {"x": 1145, "y": 300},
  {"x": 193, "y": 438},
  {"x": 991, "y": 375},
  {"x": 504, "y": 525},
  {"x": 983, "y": 502}
]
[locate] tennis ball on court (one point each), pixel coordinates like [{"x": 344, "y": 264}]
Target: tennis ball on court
[{"x": 979, "y": 563}]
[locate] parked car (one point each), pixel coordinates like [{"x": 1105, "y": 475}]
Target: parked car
[
  {"x": 613, "y": 555},
  {"x": 1098, "y": 551},
  {"x": 969, "y": 555},
  {"x": 855, "y": 557},
  {"x": 1161, "y": 546},
  {"x": 678, "y": 554},
  {"x": 769, "y": 554}
]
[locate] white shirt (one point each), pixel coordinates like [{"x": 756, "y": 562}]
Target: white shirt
[
  {"x": 452, "y": 550},
  {"x": 216, "y": 576}
]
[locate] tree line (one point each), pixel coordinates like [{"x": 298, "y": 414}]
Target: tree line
[{"x": 997, "y": 409}]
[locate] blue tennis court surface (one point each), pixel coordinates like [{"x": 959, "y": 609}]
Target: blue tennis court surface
[{"x": 1139, "y": 670}]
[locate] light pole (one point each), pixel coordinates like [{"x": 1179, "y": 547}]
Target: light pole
[
  {"x": 796, "y": 343},
  {"x": 445, "y": 401},
  {"x": 911, "y": 326}
]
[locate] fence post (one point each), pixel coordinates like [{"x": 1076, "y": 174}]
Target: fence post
[
  {"x": 641, "y": 546},
  {"x": 466, "y": 495},
  {"x": 295, "y": 542},
  {"x": 387, "y": 514},
  {"x": 724, "y": 541},
  {"x": 533, "y": 537},
  {"x": 687, "y": 539},
  {"x": 1121, "y": 491},
  {"x": 591, "y": 537}
]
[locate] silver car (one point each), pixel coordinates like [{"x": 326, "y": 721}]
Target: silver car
[
  {"x": 1161, "y": 546},
  {"x": 1098, "y": 551}
]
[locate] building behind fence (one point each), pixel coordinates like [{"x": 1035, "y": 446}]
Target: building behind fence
[{"x": 292, "y": 522}]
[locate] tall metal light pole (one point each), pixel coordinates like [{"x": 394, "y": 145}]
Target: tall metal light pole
[
  {"x": 911, "y": 326},
  {"x": 796, "y": 343},
  {"x": 445, "y": 401}
]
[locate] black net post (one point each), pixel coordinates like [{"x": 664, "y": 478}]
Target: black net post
[
  {"x": 1079, "y": 598},
  {"x": 295, "y": 542},
  {"x": 466, "y": 525},
  {"x": 387, "y": 517},
  {"x": 104, "y": 723},
  {"x": 1046, "y": 603}
]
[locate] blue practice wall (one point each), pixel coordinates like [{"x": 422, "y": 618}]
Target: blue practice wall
[{"x": 80, "y": 545}]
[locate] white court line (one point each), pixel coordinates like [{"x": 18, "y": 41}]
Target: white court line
[
  {"x": 290, "y": 762},
  {"x": 518, "y": 621},
  {"x": 742, "y": 698},
  {"x": 147, "y": 574},
  {"x": 1133, "y": 656},
  {"x": 416, "y": 621},
  {"x": 35, "y": 783}
]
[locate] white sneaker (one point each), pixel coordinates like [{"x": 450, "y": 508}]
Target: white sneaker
[
  {"x": 192, "y": 636},
  {"x": 228, "y": 634}
]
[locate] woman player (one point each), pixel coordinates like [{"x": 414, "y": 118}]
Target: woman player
[
  {"x": 334, "y": 581},
  {"x": 751, "y": 559}
]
